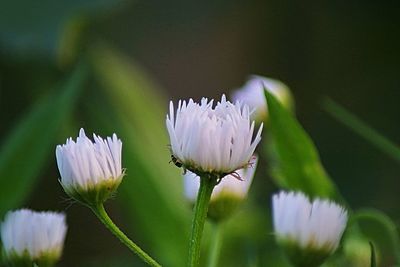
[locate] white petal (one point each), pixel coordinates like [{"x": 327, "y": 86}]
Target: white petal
[
  {"x": 34, "y": 232},
  {"x": 318, "y": 224},
  {"x": 213, "y": 139},
  {"x": 85, "y": 163}
]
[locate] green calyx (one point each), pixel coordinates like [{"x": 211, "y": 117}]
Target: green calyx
[
  {"x": 223, "y": 206},
  {"x": 45, "y": 259},
  {"x": 94, "y": 194},
  {"x": 305, "y": 257},
  {"x": 201, "y": 172}
]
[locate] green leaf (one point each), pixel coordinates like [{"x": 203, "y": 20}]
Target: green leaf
[
  {"x": 378, "y": 227},
  {"x": 362, "y": 129},
  {"x": 373, "y": 257},
  {"x": 298, "y": 166},
  {"x": 30, "y": 143},
  {"x": 152, "y": 190}
]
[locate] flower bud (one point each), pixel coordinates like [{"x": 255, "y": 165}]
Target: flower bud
[
  {"x": 90, "y": 171},
  {"x": 31, "y": 237},
  {"x": 308, "y": 231},
  {"x": 252, "y": 94}
]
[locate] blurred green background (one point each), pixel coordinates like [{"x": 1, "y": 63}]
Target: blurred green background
[{"x": 112, "y": 66}]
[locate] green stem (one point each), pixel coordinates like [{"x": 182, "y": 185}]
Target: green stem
[
  {"x": 106, "y": 220},
  {"x": 216, "y": 244},
  {"x": 200, "y": 214}
]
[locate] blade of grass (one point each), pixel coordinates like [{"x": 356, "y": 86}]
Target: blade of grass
[{"x": 361, "y": 128}]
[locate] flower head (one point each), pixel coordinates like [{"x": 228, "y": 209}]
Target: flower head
[
  {"x": 90, "y": 171},
  {"x": 227, "y": 195},
  {"x": 33, "y": 237},
  {"x": 211, "y": 140},
  {"x": 307, "y": 228},
  {"x": 252, "y": 94}
]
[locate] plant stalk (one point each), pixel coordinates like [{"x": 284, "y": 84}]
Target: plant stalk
[
  {"x": 216, "y": 244},
  {"x": 207, "y": 185},
  {"x": 106, "y": 220}
]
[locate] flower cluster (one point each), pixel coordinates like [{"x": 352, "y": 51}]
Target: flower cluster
[{"x": 215, "y": 146}]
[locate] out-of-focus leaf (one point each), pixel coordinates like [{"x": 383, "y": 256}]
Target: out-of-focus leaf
[
  {"x": 362, "y": 129},
  {"x": 298, "y": 166},
  {"x": 24, "y": 152},
  {"x": 379, "y": 228},
  {"x": 152, "y": 190},
  {"x": 373, "y": 257},
  {"x": 36, "y": 27}
]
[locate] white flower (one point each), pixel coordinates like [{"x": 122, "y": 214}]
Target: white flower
[
  {"x": 87, "y": 166},
  {"x": 230, "y": 185},
  {"x": 33, "y": 235},
  {"x": 211, "y": 140},
  {"x": 252, "y": 94},
  {"x": 316, "y": 225}
]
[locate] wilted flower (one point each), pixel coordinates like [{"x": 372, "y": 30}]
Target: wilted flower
[
  {"x": 33, "y": 237},
  {"x": 211, "y": 140},
  {"x": 90, "y": 171},
  {"x": 252, "y": 94},
  {"x": 309, "y": 231},
  {"x": 227, "y": 195}
]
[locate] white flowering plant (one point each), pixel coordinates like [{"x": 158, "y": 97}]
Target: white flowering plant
[{"x": 226, "y": 182}]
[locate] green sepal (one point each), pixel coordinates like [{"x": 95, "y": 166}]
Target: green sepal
[
  {"x": 94, "y": 194},
  {"x": 13, "y": 259},
  {"x": 46, "y": 259},
  {"x": 199, "y": 171},
  {"x": 223, "y": 206},
  {"x": 305, "y": 257}
]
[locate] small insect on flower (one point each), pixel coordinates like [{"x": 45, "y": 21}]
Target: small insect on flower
[
  {"x": 209, "y": 140},
  {"x": 176, "y": 161}
]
